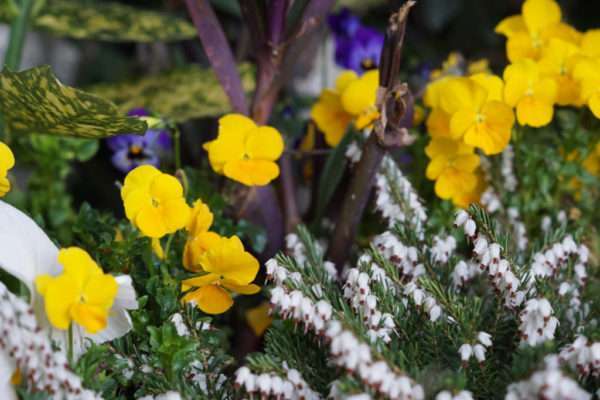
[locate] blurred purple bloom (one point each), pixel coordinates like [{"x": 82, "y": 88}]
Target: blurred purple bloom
[
  {"x": 130, "y": 151},
  {"x": 357, "y": 47}
]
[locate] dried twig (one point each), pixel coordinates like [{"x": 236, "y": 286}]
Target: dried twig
[{"x": 390, "y": 130}]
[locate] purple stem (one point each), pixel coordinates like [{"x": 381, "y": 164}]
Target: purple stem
[{"x": 219, "y": 52}]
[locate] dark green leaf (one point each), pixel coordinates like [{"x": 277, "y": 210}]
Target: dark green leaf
[
  {"x": 34, "y": 101},
  {"x": 332, "y": 174}
]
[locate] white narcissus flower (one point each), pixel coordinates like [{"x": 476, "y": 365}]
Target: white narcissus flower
[{"x": 26, "y": 252}]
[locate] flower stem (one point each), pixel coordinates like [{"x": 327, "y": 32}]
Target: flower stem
[
  {"x": 70, "y": 345},
  {"x": 168, "y": 247},
  {"x": 18, "y": 30},
  {"x": 177, "y": 147}
]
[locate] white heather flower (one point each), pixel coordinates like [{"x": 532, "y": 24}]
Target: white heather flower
[
  {"x": 484, "y": 338},
  {"x": 479, "y": 352},
  {"x": 465, "y": 351},
  {"x": 461, "y": 218},
  {"x": 353, "y": 152},
  {"x": 470, "y": 228}
]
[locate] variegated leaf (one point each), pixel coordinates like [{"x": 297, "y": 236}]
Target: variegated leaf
[
  {"x": 108, "y": 21},
  {"x": 34, "y": 101},
  {"x": 178, "y": 95}
]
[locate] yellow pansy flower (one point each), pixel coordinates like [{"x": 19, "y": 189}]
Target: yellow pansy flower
[
  {"x": 558, "y": 61},
  {"x": 476, "y": 112},
  {"x": 83, "y": 293},
  {"x": 530, "y": 93},
  {"x": 245, "y": 152},
  {"x": 154, "y": 201},
  {"x": 529, "y": 32},
  {"x": 7, "y": 161},
  {"x": 464, "y": 200},
  {"x": 590, "y": 43},
  {"x": 352, "y": 100},
  {"x": 229, "y": 269},
  {"x": 586, "y": 73},
  {"x": 452, "y": 165}
]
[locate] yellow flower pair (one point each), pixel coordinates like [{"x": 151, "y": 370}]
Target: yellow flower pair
[
  {"x": 7, "y": 161},
  {"x": 351, "y": 101},
  {"x": 227, "y": 267}
]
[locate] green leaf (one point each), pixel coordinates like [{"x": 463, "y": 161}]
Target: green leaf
[
  {"x": 332, "y": 174},
  {"x": 108, "y": 21},
  {"x": 34, "y": 101},
  {"x": 178, "y": 95}
]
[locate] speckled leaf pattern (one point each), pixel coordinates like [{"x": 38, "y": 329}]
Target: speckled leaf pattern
[
  {"x": 178, "y": 95},
  {"x": 34, "y": 101},
  {"x": 107, "y": 21}
]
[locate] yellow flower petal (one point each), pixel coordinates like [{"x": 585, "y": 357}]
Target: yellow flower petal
[
  {"x": 533, "y": 112},
  {"x": 438, "y": 123},
  {"x": 7, "y": 158},
  {"x": 175, "y": 214},
  {"x": 252, "y": 172},
  {"x": 330, "y": 117},
  {"x": 491, "y": 83},
  {"x": 60, "y": 294},
  {"x": 264, "y": 143},
  {"x": 139, "y": 178},
  {"x": 259, "y": 319},
  {"x": 590, "y": 43},
  {"x": 100, "y": 290},
  {"x": 157, "y": 248},
  {"x": 200, "y": 220},
  {"x": 228, "y": 259},
  {"x": 165, "y": 187},
  {"x": 511, "y": 25},
  {"x": 196, "y": 246},
  {"x": 539, "y": 14},
  {"x": 92, "y": 318},
  {"x": 200, "y": 281},
  {"x": 360, "y": 94},
  {"x": 211, "y": 299},
  {"x": 241, "y": 289},
  {"x": 236, "y": 125},
  {"x": 462, "y": 94},
  {"x": 136, "y": 200},
  {"x": 344, "y": 79},
  {"x": 493, "y": 134},
  {"x": 150, "y": 222},
  {"x": 78, "y": 264}
]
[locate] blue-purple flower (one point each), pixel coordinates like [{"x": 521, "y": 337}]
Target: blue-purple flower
[
  {"x": 357, "y": 47},
  {"x": 130, "y": 151}
]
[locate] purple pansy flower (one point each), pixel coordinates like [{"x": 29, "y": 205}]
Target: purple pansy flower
[
  {"x": 130, "y": 151},
  {"x": 357, "y": 47}
]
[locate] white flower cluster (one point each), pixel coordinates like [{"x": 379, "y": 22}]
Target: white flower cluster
[
  {"x": 297, "y": 251},
  {"x": 447, "y": 395},
  {"x": 507, "y": 169},
  {"x": 23, "y": 341},
  {"x": 490, "y": 200},
  {"x": 295, "y": 305},
  {"x": 489, "y": 257},
  {"x": 549, "y": 262},
  {"x": 477, "y": 349},
  {"x": 396, "y": 199},
  {"x": 549, "y": 384},
  {"x": 537, "y": 324},
  {"x": 406, "y": 258},
  {"x": 350, "y": 353},
  {"x": 358, "y": 293},
  {"x": 463, "y": 272},
  {"x": 583, "y": 356},
  {"x": 290, "y": 387},
  {"x": 421, "y": 297},
  {"x": 442, "y": 248}
]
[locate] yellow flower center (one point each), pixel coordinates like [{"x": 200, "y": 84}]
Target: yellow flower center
[{"x": 479, "y": 118}]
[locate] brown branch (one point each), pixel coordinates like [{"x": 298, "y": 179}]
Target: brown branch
[
  {"x": 393, "y": 101},
  {"x": 219, "y": 52}
]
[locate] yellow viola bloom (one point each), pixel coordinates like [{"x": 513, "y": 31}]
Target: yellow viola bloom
[
  {"x": 195, "y": 247},
  {"x": 7, "y": 161},
  {"x": 83, "y": 293},
  {"x": 586, "y": 73},
  {"x": 558, "y": 60},
  {"x": 154, "y": 201},
  {"x": 244, "y": 151},
  {"x": 352, "y": 100},
  {"x": 452, "y": 165},
  {"x": 528, "y": 33},
  {"x": 477, "y": 113},
  {"x": 229, "y": 269},
  {"x": 464, "y": 200},
  {"x": 530, "y": 93},
  {"x": 590, "y": 43}
]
